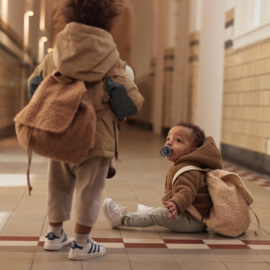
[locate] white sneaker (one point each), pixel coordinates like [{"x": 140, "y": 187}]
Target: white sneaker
[
  {"x": 143, "y": 208},
  {"x": 54, "y": 242},
  {"x": 91, "y": 250},
  {"x": 114, "y": 212}
]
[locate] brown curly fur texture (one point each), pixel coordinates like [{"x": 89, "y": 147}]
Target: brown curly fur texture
[
  {"x": 98, "y": 13},
  {"x": 63, "y": 120}
]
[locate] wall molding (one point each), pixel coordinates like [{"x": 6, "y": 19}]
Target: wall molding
[
  {"x": 256, "y": 35},
  {"x": 251, "y": 160}
]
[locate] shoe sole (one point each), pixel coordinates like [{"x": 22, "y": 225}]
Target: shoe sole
[
  {"x": 107, "y": 215},
  {"x": 81, "y": 257},
  {"x": 56, "y": 247}
]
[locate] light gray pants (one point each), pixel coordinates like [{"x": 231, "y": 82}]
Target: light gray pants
[
  {"x": 160, "y": 216},
  {"x": 89, "y": 180}
]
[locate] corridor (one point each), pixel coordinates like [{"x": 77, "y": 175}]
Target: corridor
[{"x": 140, "y": 177}]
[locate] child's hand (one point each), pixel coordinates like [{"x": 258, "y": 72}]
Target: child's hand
[{"x": 171, "y": 208}]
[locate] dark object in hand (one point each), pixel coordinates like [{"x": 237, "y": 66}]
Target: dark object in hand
[{"x": 111, "y": 172}]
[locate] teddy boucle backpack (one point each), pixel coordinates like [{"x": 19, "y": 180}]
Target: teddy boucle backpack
[
  {"x": 59, "y": 122},
  {"x": 230, "y": 213}
]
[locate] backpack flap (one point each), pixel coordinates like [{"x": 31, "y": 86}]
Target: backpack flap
[
  {"x": 238, "y": 183},
  {"x": 230, "y": 214},
  {"x": 59, "y": 122},
  {"x": 53, "y": 106}
]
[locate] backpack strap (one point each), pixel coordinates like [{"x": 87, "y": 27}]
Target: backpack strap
[
  {"x": 191, "y": 209},
  {"x": 186, "y": 169},
  {"x": 258, "y": 222}
]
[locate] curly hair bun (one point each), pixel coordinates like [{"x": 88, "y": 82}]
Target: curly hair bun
[{"x": 97, "y": 13}]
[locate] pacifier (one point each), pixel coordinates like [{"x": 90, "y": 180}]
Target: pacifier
[{"x": 166, "y": 151}]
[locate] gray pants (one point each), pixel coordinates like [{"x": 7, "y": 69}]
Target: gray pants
[
  {"x": 89, "y": 180},
  {"x": 160, "y": 216}
]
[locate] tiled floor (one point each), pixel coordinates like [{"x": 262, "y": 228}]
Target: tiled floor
[{"x": 140, "y": 179}]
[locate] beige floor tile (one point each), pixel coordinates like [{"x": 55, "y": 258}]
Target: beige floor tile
[
  {"x": 151, "y": 257},
  {"x": 239, "y": 258},
  {"x": 251, "y": 236},
  {"x": 15, "y": 264},
  {"x": 154, "y": 265},
  {"x": 112, "y": 257},
  {"x": 139, "y": 233},
  {"x": 202, "y": 266},
  {"x": 167, "y": 234},
  {"x": 106, "y": 233},
  {"x": 57, "y": 264},
  {"x": 9, "y": 255},
  {"x": 102, "y": 265},
  {"x": 196, "y": 258},
  {"x": 248, "y": 266},
  {"x": 265, "y": 257},
  {"x": 16, "y": 230}
]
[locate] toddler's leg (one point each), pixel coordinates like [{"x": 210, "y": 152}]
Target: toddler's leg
[
  {"x": 61, "y": 184},
  {"x": 91, "y": 176},
  {"x": 160, "y": 216}
]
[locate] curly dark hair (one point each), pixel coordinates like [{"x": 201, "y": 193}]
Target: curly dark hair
[
  {"x": 198, "y": 133},
  {"x": 97, "y": 13}
]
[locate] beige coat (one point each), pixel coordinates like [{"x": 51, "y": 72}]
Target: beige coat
[
  {"x": 190, "y": 187},
  {"x": 88, "y": 53}
]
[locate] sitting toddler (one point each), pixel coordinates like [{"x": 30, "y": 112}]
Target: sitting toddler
[{"x": 187, "y": 146}]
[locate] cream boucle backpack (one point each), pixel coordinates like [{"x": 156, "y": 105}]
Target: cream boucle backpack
[{"x": 230, "y": 215}]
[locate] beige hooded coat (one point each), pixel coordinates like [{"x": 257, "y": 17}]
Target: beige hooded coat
[{"x": 88, "y": 53}]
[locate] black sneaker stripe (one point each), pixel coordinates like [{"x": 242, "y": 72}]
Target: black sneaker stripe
[{"x": 91, "y": 248}]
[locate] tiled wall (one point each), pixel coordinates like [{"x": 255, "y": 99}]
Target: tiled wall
[
  {"x": 10, "y": 81},
  {"x": 168, "y": 85},
  {"x": 246, "y": 95},
  {"x": 194, "y": 43}
]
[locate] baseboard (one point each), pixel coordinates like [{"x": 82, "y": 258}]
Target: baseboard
[{"x": 251, "y": 160}]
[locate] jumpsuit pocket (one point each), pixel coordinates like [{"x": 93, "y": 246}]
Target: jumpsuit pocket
[{"x": 115, "y": 138}]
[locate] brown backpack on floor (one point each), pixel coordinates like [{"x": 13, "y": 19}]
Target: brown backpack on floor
[{"x": 59, "y": 122}]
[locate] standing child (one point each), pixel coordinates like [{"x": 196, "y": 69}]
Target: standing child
[
  {"x": 188, "y": 146},
  {"x": 85, "y": 51}
]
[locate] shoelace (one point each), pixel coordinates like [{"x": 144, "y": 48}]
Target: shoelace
[{"x": 120, "y": 210}]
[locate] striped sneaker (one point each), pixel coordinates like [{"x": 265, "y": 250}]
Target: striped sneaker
[
  {"x": 114, "y": 212},
  {"x": 55, "y": 242},
  {"x": 91, "y": 250}
]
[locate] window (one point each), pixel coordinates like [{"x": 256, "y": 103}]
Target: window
[{"x": 252, "y": 22}]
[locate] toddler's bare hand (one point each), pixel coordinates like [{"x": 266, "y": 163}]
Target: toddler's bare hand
[{"x": 171, "y": 208}]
